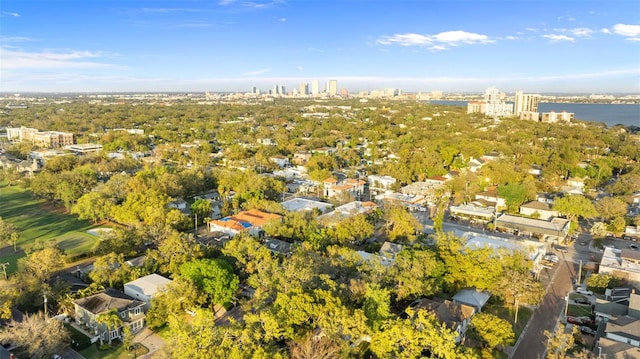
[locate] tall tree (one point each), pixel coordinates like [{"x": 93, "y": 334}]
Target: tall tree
[
  {"x": 39, "y": 336},
  {"x": 214, "y": 277},
  {"x": 575, "y": 206},
  {"x": 9, "y": 233},
  {"x": 43, "y": 263},
  {"x": 611, "y": 207},
  {"x": 518, "y": 287},
  {"x": 111, "y": 321},
  {"x": 401, "y": 225},
  {"x": 417, "y": 273},
  {"x": 492, "y": 330}
]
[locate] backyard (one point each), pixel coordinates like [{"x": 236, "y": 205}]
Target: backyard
[{"x": 38, "y": 222}]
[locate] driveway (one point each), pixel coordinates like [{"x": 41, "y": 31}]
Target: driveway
[{"x": 149, "y": 339}]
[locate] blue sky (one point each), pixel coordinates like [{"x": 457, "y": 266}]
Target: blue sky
[{"x": 541, "y": 46}]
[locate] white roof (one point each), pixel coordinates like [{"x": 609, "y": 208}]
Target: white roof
[
  {"x": 303, "y": 204},
  {"x": 150, "y": 284}
]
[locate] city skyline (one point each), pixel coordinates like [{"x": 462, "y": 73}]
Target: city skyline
[{"x": 232, "y": 46}]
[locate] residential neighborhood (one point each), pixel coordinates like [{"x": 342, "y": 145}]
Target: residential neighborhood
[{"x": 336, "y": 231}]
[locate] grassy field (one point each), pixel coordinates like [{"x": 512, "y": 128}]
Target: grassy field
[{"x": 38, "y": 221}]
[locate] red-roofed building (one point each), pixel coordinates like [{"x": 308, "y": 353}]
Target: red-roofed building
[
  {"x": 251, "y": 221},
  {"x": 333, "y": 187}
]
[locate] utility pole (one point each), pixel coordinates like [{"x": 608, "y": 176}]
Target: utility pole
[
  {"x": 196, "y": 224},
  {"x": 4, "y": 269},
  {"x": 580, "y": 272},
  {"x": 44, "y": 294}
]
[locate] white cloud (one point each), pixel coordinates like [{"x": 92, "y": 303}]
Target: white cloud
[
  {"x": 256, "y": 72},
  {"x": 409, "y": 39},
  {"x": 11, "y": 14},
  {"x": 19, "y": 59},
  {"x": 8, "y": 39},
  {"x": 581, "y": 31},
  {"x": 558, "y": 38},
  {"x": 627, "y": 30},
  {"x": 282, "y": 19},
  {"x": 454, "y": 37},
  {"x": 512, "y": 38},
  {"x": 437, "y": 48},
  {"x": 299, "y": 68},
  {"x": 443, "y": 40}
]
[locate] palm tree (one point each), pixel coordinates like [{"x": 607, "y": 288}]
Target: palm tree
[{"x": 111, "y": 320}]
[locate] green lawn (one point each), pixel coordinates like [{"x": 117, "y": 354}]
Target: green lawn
[
  {"x": 37, "y": 221},
  {"x": 116, "y": 351},
  {"x": 524, "y": 314},
  {"x": 575, "y": 310}
]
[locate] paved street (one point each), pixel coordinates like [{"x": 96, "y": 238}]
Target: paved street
[{"x": 532, "y": 343}]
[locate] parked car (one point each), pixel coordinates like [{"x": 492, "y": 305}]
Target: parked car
[
  {"x": 583, "y": 291},
  {"x": 634, "y": 246},
  {"x": 587, "y": 330},
  {"x": 551, "y": 258},
  {"x": 574, "y": 320},
  {"x": 581, "y": 300}
]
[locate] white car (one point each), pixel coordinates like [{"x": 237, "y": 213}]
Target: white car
[{"x": 583, "y": 291}]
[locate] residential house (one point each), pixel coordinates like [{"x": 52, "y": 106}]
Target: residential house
[
  {"x": 535, "y": 170},
  {"x": 181, "y": 205},
  {"x": 532, "y": 250},
  {"x": 278, "y": 246},
  {"x": 301, "y": 158},
  {"x": 280, "y": 160},
  {"x": 300, "y": 204},
  {"x": 436, "y": 180},
  {"x": 430, "y": 190},
  {"x": 334, "y": 188},
  {"x": 267, "y": 142},
  {"x": 250, "y": 221},
  {"x": 411, "y": 202},
  {"x": 621, "y": 263},
  {"x": 130, "y": 311},
  {"x": 455, "y": 316},
  {"x": 472, "y": 297},
  {"x": 345, "y": 211},
  {"x": 621, "y": 335},
  {"x": 475, "y": 164},
  {"x": 537, "y": 209},
  {"x": 490, "y": 198},
  {"x": 145, "y": 288},
  {"x": 380, "y": 184}
]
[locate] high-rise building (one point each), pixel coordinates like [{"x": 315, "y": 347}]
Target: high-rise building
[
  {"x": 332, "y": 88},
  {"x": 494, "y": 106},
  {"x": 304, "y": 89},
  {"x": 315, "y": 87},
  {"x": 525, "y": 103}
]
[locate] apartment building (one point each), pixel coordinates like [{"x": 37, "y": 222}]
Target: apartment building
[{"x": 47, "y": 139}]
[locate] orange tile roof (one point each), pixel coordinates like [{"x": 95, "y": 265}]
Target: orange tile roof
[{"x": 255, "y": 217}]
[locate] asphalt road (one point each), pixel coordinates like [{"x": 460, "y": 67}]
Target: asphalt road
[{"x": 532, "y": 343}]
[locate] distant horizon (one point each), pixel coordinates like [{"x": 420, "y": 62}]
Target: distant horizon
[
  {"x": 6, "y": 93},
  {"x": 562, "y": 46}
]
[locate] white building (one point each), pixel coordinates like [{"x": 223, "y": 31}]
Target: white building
[
  {"x": 380, "y": 183},
  {"x": 145, "y": 288},
  {"x": 525, "y": 103}
]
